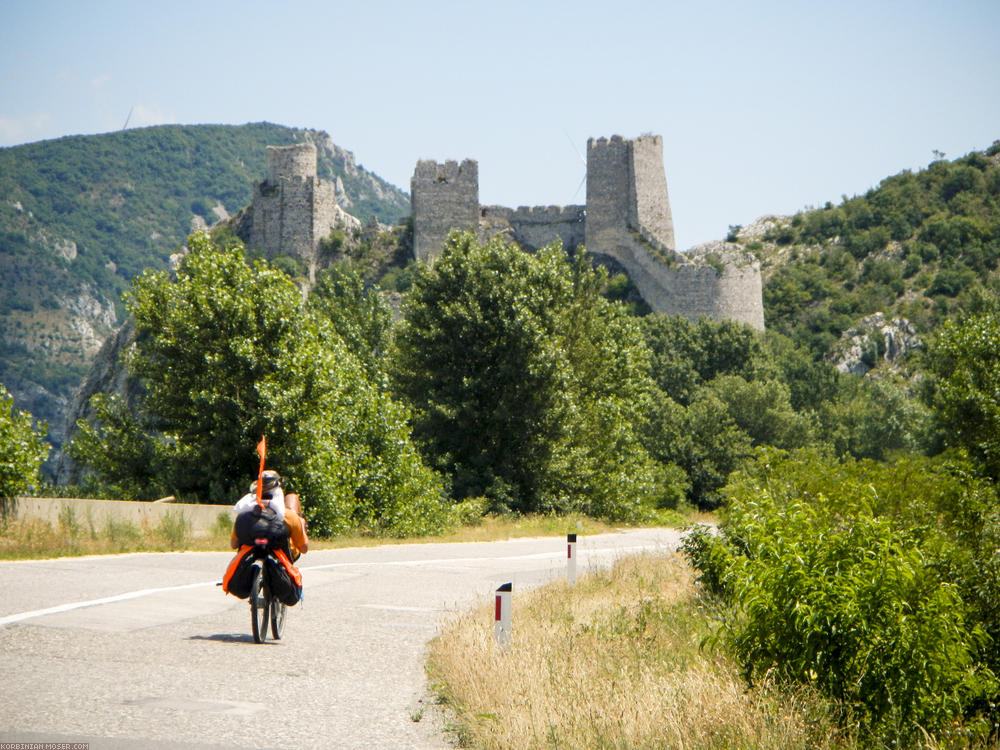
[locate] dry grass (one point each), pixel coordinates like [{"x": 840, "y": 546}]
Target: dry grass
[
  {"x": 614, "y": 662},
  {"x": 74, "y": 535}
]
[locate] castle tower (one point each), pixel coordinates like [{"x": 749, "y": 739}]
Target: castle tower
[
  {"x": 629, "y": 220},
  {"x": 292, "y": 209},
  {"x": 443, "y": 197},
  {"x": 627, "y": 193}
]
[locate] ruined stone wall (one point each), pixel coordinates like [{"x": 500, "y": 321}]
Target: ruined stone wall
[
  {"x": 284, "y": 162},
  {"x": 443, "y": 197},
  {"x": 649, "y": 204},
  {"x": 627, "y": 192},
  {"x": 695, "y": 291},
  {"x": 535, "y": 227},
  {"x": 609, "y": 192}
]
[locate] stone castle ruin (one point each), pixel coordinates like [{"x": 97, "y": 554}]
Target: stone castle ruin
[
  {"x": 626, "y": 219},
  {"x": 626, "y": 223},
  {"x": 292, "y": 210}
]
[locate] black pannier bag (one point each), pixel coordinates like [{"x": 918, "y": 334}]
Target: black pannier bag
[
  {"x": 242, "y": 578},
  {"x": 261, "y": 523},
  {"x": 283, "y": 588}
]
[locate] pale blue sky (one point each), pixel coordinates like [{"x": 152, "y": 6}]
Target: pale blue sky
[{"x": 764, "y": 107}]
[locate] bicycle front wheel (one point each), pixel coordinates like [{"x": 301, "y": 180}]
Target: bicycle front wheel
[{"x": 258, "y": 606}]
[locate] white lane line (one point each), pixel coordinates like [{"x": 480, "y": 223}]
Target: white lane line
[
  {"x": 10, "y": 619},
  {"x": 58, "y": 609}
]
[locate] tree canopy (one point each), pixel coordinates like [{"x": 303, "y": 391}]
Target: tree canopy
[
  {"x": 227, "y": 353},
  {"x": 21, "y": 450},
  {"x": 525, "y": 381}
]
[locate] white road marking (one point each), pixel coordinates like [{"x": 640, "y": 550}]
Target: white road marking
[{"x": 10, "y": 619}]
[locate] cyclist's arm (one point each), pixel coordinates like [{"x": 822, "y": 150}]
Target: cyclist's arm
[{"x": 297, "y": 530}]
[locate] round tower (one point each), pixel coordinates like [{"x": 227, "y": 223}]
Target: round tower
[{"x": 289, "y": 162}]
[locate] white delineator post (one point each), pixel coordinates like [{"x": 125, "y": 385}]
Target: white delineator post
[
  {"x": 571, "y": 559},
  {"x": 501, "y": 621}
]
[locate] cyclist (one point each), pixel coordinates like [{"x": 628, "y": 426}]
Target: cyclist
[{"x": 285, "y": 507}]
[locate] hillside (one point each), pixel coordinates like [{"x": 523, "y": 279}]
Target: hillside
[
  {"x": 917, "y": 248},
  {"x": 81, "y": 216}
]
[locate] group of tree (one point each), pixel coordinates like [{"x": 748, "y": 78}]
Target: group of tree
[
  {"x": 876, "y": 582},
  {"x": 511, "y": 377}
]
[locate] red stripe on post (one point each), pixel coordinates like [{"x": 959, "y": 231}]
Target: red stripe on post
[
  {"x": 569, "y": 551},
  {"x": 497, "y": 616}
]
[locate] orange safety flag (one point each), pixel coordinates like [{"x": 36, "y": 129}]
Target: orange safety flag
[{"x": 261, "y": 451}]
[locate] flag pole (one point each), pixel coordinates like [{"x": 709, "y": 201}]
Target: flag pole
[{"x": 261, "y": 451}]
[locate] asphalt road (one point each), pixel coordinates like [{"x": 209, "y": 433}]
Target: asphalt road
[{"x": 144, "y": 651}]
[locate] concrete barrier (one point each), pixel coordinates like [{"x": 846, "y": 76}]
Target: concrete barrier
[{"x": 200, "y": 519}]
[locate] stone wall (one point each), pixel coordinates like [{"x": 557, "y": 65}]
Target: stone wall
[
  {"x": 650, "y": 204},
  {"x": 284, "y": 162},
  {"x": 443, "y": 197},
  {"x": 535, "y": 227}
]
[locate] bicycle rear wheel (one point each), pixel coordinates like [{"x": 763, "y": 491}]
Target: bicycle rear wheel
[
  {"x": 258, "y": 606},
  {"x": 278, "y": 611}
]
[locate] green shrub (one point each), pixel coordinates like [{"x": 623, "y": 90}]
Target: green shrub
[{"x": 871, "y": 583}]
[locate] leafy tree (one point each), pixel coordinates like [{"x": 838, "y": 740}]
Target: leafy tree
[
  {"x": 873, "y": 419},
  {"x": 762, "y": 409},
  {"x": 701, "y": 439},
  {"x": 524, "y": 380},
  {"x": 227, "y": 354},
  {"x": 965, "y": 392},
  {"x": 21, "y": 451},
  {"x": 686, "y": 355},
  {"x": 359, "y": 316}
]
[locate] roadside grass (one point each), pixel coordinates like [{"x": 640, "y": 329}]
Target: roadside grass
[
  {"x": 77, "y": 534},
  {"x": 613, "y": 662},
  {"x": 74, "y": 535}
]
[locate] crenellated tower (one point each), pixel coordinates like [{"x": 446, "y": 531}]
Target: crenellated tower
[
  {"x": 292, "y": 209},
  {"x": 443, "y": 197}
]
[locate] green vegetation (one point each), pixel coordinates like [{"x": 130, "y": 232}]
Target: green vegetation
[
  {"x": 527, "y": 383},
  {"x": 872, "y": 583},
  {"x": 21, "y": 451},
  {"x": 226, "y": 353},
  {"x": 918, "y": 246}
]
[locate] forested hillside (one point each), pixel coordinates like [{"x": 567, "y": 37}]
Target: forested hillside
[
  {"x": 918, "y": 246},
  {"x": 81, "y": 216}
]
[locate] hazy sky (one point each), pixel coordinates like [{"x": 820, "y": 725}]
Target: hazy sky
[{"x": 764, "y": 107}]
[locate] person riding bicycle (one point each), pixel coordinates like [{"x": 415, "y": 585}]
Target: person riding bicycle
[{"x": 285, "y": 508}]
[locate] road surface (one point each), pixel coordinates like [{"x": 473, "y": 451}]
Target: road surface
[{"x": 144, "y": 651}]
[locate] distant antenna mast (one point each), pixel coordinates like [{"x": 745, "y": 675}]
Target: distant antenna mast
[
  {"x": 129, "y": 117},
  {"x": 582, "y": 160}
]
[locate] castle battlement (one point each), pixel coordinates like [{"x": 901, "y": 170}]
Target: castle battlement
[
  {"x": 449, "y": 171},
  {"x": 548, "y": 213},
  {"x": 602, "y": 142}
]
